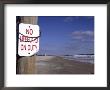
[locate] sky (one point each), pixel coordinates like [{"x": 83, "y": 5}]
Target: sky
[{"x": 66, "y": 35}]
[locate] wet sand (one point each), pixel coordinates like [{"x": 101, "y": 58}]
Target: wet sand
[{"x": 58, "y": 65}]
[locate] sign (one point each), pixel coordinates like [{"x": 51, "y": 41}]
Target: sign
[{"x": 28, "y": 43}]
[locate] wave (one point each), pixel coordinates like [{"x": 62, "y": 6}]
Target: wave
[{"x": 87, "y": 59}]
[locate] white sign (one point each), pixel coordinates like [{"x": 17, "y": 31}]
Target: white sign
[{"x": 28, "y": 43}]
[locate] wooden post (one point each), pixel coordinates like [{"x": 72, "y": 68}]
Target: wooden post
[{"x": 26, "y": 65}]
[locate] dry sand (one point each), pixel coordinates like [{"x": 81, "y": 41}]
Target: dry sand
[
  {"x": 44, "y": 58},
  {"x": 58, "y": 65}
]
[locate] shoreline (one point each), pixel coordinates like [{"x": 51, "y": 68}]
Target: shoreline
[{"x": 58, "y": 65}]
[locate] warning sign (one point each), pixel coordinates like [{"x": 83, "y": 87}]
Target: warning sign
[{"x": 28, "y": 43}]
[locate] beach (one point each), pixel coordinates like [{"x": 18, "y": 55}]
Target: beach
[{"x": 59, "y": 65}]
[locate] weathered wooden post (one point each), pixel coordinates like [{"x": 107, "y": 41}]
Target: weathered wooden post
[{"x": 26, "y": 65}]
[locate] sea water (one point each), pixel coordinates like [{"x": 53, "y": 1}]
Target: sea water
[{"x": 87, "y": 59}]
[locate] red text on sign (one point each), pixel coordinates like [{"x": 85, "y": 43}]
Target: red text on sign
[
  {"x": 29, "y": 31},
  {"x": 28, "y": 47},
  {"x": 27, "y": 39}
]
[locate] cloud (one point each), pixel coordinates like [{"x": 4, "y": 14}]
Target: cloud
[
  {"x": 79, "y": 47},
  {"x": 83, "y": 35},
  {"x": 75, "y": 18},
  {"x": 89, "y": 17},
  {"x": 68, "y": 19}
]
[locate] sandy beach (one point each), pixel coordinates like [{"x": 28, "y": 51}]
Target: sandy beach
[{"x": 59, "y": 65}]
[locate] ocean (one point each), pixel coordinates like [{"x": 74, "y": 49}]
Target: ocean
[{"x": 87, "y": 59}]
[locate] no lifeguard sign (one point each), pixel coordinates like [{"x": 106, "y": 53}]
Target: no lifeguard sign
[{"x": 28, "y": 43}]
